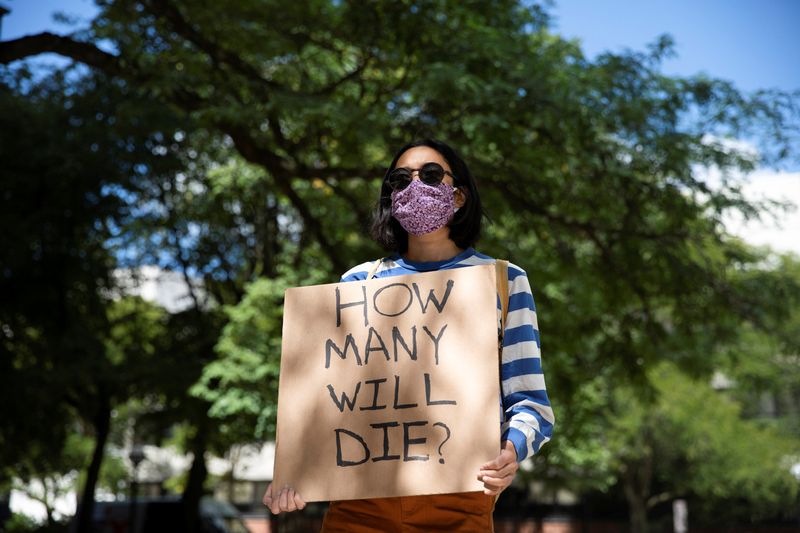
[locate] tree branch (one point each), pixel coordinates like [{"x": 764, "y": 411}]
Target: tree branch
[
  {"x": 249, "y": 149},
  {"x": 301, "y": 39},
  {"x": 218, "y": 54},
  {"x": 188, "y": 100},
  {"x": 353, "y": 74},
  {"x": 45, "y": 42},
  {"x": 362, "y": 215}
]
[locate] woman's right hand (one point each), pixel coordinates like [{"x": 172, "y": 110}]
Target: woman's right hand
[{"x": 284, "y": 500}]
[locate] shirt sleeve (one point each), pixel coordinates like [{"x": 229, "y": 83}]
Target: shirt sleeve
[
  {"x": 528, "y": 416},
  {"x": 357, "y": 273}
]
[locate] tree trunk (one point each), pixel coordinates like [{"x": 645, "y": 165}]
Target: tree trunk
[
  {"x": 197, "y": 477},
  {"x": 637, "y": 515},
  {"x": 102, "y": 425},
  {"x": 48, "y": 508},
  {"x": 636, "y": 481},
  {"x": 5, "y": 508}
]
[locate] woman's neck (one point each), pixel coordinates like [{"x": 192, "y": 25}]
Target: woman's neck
[{"x": 435, "y": 246}]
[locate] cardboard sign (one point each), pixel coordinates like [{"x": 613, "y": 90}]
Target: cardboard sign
[{"x": 389, "y": 387}]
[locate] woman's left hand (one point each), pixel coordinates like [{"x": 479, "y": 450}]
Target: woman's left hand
[{"x": 498, "y": 473}]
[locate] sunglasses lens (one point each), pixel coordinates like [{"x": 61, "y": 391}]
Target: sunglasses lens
[
  {"x": 399, "y": 179},
  {"x": 431, "y": 174}
]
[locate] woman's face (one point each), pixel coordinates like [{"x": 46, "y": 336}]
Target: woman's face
[{"x": 416, "y": 157}]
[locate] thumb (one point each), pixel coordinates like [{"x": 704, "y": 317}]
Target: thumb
[{"x": 267, "y": 500}]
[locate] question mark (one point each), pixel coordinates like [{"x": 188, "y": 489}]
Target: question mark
[{"x": 441, "y": 459}]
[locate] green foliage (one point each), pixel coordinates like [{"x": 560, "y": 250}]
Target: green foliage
[
  {"x": 690, "y": 441},
  {"x": 243, "y": 382},
  {"x": 762, "y": 364},
  {"x": 722, "y": 456},
  {"x": 242, "y": 385},
  {"x": 20, "y": 523},
  {"x": 241, "y": 144},
  {"x": 65, "y": 474}
]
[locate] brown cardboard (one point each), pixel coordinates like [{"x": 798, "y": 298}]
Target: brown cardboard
[{"x": 437, "y": 446}]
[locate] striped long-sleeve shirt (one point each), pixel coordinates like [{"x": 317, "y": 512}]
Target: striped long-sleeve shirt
[{"x": 527, "y": 418}]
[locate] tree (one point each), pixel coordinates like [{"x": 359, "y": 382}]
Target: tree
[
  {"x": 588, "y": 168},
  {"x": 242, "y": 384},
  {"x": 698, "y": 432},
  {"x": 62, "y": 331},
  {"x": 762, "y": 364}
]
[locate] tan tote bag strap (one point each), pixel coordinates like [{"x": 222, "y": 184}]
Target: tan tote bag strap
[
  {"x": 501, "y": 270},
  {"x": 374, "y": 268}
]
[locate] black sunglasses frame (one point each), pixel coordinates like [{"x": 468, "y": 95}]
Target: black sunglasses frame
[{"x": 430, "y": 174}]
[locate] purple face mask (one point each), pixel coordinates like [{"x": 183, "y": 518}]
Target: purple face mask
[{"x": 421, "y": 209}]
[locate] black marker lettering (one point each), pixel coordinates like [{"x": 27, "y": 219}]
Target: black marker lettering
[
  {"x": 377, "y": 384},
  {"x": 344, "y": 400},
  {"x": 428, "y": 400},
  {"x": 380, "y": 348},
  {"x": 385, "y": 426},
  {"x": 398, "y": 405},
  {"x": 349, "y": 342},
  {"x": 378, "y": 293},
  {"x": 397, "y": 337},
  {"x": 435, "y": 340},
  {"x": 339, "y": 459},
  {"x": 432, "y": 297},
  {"x": 407, "y": 442},
  {"x": 340, "y": 306}
]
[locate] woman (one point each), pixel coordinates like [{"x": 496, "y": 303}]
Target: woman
[{"x": 429, "y": 214}]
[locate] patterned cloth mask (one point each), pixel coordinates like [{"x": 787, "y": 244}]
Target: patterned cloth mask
[{"x": 422, "y": 208}]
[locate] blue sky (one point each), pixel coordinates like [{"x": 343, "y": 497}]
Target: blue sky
[
  {"x": 755, "y": 44},
  {"x": 32, "y": 16}
]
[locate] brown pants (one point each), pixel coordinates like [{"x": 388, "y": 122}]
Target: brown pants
[{"x": 464, "y": 511}]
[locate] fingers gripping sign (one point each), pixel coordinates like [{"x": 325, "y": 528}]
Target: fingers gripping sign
[
  {"x": 499, "y": 473},
  {"x": 284, "y": 500}
]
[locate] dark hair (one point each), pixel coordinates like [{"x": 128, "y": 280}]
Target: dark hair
[{"x": 465, "y": 228}]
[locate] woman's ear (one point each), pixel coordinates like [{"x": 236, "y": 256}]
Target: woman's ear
[{"x": 460, "y": 198}]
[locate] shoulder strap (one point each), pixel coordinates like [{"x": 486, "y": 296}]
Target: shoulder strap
[
  {"x": 501, "y": 271},
  {"x": 375, "y": 268}
]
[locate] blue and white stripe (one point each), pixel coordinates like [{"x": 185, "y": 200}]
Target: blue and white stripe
[{"x": 527, "y": 415}]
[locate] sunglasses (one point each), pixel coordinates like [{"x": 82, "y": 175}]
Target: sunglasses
[{"x": 430, "y": 174}]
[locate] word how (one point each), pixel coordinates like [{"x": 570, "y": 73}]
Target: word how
[{"x": 393, "y": 300}]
